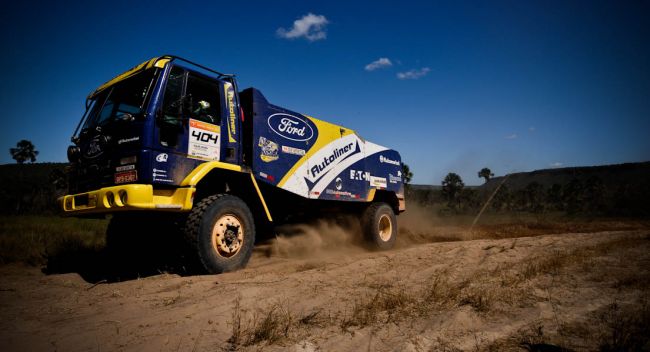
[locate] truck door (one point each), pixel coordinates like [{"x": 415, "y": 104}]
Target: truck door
[{"x": 188, "y": 125}]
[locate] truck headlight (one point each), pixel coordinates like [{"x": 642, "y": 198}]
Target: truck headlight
[{"x": 74, "y": 153}]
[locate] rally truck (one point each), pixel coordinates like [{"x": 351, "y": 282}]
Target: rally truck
[{"x": 173, "y": 139}]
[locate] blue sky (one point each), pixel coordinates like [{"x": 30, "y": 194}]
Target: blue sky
[{"x": 511, "y": 85}]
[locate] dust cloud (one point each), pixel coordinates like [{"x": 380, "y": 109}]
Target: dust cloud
[
  {"x": 341, "y": 236},
  {"x": 322, "y": 238},
  {"x": 420, "y": 224}
]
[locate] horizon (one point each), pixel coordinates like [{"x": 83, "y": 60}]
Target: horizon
[
  {"x": 454, "y": 87},
  {"x": 425, "y": 184}
]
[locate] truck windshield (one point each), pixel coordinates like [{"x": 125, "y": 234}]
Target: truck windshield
[{"x": 125, "y": 97}]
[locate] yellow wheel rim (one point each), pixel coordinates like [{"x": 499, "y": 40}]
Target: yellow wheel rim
[
  {"x": 227, "y": 235},
  {"x": 385, "y": 228}
]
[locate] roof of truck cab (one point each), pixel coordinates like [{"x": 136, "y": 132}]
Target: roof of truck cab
[{"x": 159, "y": 62}]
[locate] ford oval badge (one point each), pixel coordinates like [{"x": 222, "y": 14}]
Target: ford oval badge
[{"x": 290, "y": 127}]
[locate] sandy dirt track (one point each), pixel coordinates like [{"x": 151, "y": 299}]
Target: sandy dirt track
[{"x": 461, "y": 295}]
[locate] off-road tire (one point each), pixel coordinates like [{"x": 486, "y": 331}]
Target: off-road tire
[
  {"x": 379, "y": 226},
  {"x": 199, "y": 232},
  {"x": 143, "y": 244}
]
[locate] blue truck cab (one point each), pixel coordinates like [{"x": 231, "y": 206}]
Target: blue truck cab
[{"x": 173, "y": 137}]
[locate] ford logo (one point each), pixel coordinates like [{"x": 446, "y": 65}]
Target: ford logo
[{"x": 290, "y": 127}]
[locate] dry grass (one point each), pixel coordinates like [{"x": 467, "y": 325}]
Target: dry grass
[
  {"x": 236, "y": 328},
  {"x": 33, "y": 239},
  {"x": 270, "y": 324},
  {"x": 616, "y": 327},
  {"x": 532, "y": 337},
  {"x": 624, "y": 328},
  {"x": 421, "y": 225},
  {"x": 386, "y": 304},
  {"x": 485, "y": 290}
]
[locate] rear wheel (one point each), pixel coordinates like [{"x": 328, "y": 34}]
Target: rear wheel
[
  {"x": 222, "y": 230},
  {"x": 379, "y": 226}
]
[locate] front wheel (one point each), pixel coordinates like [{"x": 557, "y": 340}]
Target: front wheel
[
  {"x": 379, "y": 226},
  {"x": 222, "y": 230}
]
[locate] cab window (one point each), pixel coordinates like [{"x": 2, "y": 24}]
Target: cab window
[
  {"x": 203, "y": 99},
  {"x": 173, "y": 98}
]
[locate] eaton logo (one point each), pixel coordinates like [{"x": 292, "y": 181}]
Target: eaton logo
[{"x": 290, "y": 127}]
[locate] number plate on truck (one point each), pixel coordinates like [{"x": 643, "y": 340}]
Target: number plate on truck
[{"x": 124, "y": 177}]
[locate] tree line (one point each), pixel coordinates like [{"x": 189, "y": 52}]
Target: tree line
[{"x": 579, "y": 196}]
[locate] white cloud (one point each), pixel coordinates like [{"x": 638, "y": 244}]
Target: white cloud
[
  {"x": 555, "y": 164},
  {"x": 311, "y": 27},
  {"x": 414, "y": 74},
  {"x": 512, "y": 136},
  {"x": 531, "y": 128},
  {"x": 379, "y": 63}
]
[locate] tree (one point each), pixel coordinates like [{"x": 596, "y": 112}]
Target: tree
[
  {"x": 594, "y": 194},
  {"x": 534, "y": 197},
  {"x": 573, "y": 196},
  {"x": 24, "y": 151},
  {"x": 452, "y": 186},
  {"x": 407, "y": 175},
  {"x": 486, "y": 174},
  {"x": 554, "y": 197},
  {"x": 502, "y": 198}
]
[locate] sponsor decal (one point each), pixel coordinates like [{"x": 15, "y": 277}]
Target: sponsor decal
[
  {"x": 93, "y": 149},
  {"x": 268, "y": 177},
  {"x": 339, "y": 193},
  {"x": 330, "y": 162},
  {"x": 383, "y": 159},
  {"x": 338, "y": 154},
  {"x": 395, "y": 179},
  {"x": 203, "y": 140},
  {"x": 124, "y": 168},
  {"x": 128, "y": 140},
  {"x": 339, "y": 183},
  {"x": 290, "y": 127},
  {"x": 124, "y": 177},
  {"x": 161, "y": 175},
  {"x": 292, "y": 150},
  {"x": 232, "y": 126},
  {"x": 359, "y": 175},
  {"x": 162, "y": 157},
  {"x": 269, "y": 150},
  {"x": 379, "y": 182}
]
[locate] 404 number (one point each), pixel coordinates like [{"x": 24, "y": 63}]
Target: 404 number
[{"x": 205, "y": 137}]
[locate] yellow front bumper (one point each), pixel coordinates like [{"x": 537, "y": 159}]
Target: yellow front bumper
[{"x": 127, "y": 197}]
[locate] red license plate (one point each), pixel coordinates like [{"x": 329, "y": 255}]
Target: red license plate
[{"x": 124, "y": 177}]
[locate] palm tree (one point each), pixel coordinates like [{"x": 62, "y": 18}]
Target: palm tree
[
  {"x": 24, "y": 151},
  {"x": 407, "y": 175},
  {"x": 452, "y": 186},
  {"x": 486, "y": 174}
]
